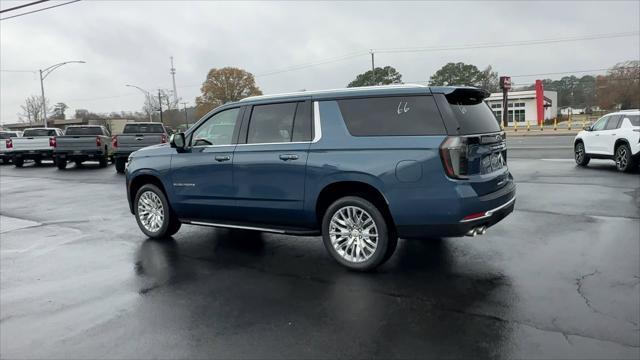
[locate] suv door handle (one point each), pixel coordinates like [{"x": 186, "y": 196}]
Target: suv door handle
[
  {"x": 287, "y": 157},
  {"x": 221, "y": 158}
]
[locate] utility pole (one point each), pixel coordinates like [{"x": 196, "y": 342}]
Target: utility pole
[
  {"x": 160, "y": 104},
  {"x": 186, "y": 119},
  {"x": 373, "y": 66},
  {"x": 173, "y": 77}
]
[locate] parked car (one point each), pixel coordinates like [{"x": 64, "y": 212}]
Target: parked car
[
  {"x": 36, "y": 144},
  {"x": 136, "y": 136},
  {"x": 360, "y": 166},
  {"x": 81, "y": 143},
  {"x": 615, "y": 136},
  {"x": 6, "y": 144}
]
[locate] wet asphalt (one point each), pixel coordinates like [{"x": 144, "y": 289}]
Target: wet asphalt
[{"x": 559, "y": 278}]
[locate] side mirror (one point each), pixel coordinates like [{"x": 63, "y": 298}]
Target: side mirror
[
  {"x": 177, "y": 141},
  {"x": 587, "y": 128}
]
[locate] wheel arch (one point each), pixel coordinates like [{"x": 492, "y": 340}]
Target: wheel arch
[
  {"x": 338, "y": 189},
  {"x": 140, "y": 180}
]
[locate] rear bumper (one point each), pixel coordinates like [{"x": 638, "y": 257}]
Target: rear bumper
[
  {"x": 32, "y": 154},
  {"x": 122, "y": 154},
  {"x": 488, "y": 209},
  {"x": 79, "y": 154}
]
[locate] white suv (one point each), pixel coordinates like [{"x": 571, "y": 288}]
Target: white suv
[{"x": 615, "y": 136}]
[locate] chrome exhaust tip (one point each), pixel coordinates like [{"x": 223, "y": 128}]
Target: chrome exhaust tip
[
  {"x": 472, "y": 232},
  {"x": 482, "y": 230}
]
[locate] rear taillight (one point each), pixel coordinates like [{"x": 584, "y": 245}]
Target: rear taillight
[
  {"x": 9, "y": 144},
  {"x": 98, "y": 141},
  {"x": 52, "y": 141},
  {"x": 164, "y": 138},
  {"x": 114, "y": 141},
  {"x": 453, "y": 153}
]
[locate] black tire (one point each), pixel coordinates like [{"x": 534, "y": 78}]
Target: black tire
[
  {"x": 61, "y": 163},
  {"x": 6, "y": 160},
  {"x": 624, "y": 161},
  {"x": 121, "y": 165},
  {"x": 104, "y": 161},
  {"x": 170, "y": 223},
  {"x": 18, "y": 162},
  {"x": 580, "y": 154},
  {"x": 386, "y": 238}
]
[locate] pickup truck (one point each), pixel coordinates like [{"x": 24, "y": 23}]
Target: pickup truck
[
  {"x": 136, "y": 136},
  {"x": 36, "y": 144},
  {"x": 6, "y": 144},
  {"x": 81, "y": 143}
]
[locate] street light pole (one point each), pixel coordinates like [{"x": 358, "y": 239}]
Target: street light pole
[
  {"x": 43, "y": 75},
  {"x": 147, "y": 96}
]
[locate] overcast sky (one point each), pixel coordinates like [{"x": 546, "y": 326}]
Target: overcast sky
[{"x": 129, "y": 42}]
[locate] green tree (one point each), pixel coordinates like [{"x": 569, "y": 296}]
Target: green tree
[
  {"x": 378, "y": 76},
  {"x": 225, "y": 85},
  {"x": 58, "y": 110},
  {"x": 459, "y": 74}
]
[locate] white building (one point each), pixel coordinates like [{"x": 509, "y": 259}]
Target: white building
[{"x": 523, "y": 106}]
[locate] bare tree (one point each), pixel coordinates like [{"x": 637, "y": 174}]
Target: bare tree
[{"x": 32, "y": 110}]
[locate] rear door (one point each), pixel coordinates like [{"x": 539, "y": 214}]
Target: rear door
[
  {"x": 270, "y": 162},
  {"x": 202, "y": 175}
]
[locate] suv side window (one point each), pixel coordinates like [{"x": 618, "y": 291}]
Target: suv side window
[
  {"x": 302, "y": 124},
  {"x": 217, "y": 130},
  {"x": 613, "y": 123},
  {"x": 599, "y": 125},
  {"x": 392, "y": 116},
  {"x": 272, "y": 123}
]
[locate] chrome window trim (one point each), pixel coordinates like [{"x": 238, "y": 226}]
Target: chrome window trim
[
  {"x": 317, "y": 130},
  {"x": 317, "y": 127}
]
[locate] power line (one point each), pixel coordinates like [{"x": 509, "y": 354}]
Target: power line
[
  {"x": 508, "y": 44},
  {"x": 35, "y": 11},
  {"x": 19, "y": 71},
  {"x": 21, "y": 6}
]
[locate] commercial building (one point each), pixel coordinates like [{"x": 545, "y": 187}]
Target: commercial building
[{"x": 525, "y": 106}]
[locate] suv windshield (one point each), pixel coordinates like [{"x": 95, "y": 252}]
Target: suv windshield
[
  {"x": 39, "y": 132},
  {"x": 472, "y": 113},
  {"x": 143, "y": 129},
  {"x": 84, "y": 130}
]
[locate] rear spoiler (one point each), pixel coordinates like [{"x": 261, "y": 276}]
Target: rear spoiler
[{"x": 467, "y": 96}]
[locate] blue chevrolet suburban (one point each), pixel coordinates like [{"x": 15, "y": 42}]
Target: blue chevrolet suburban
[{"x": 360, "y": 166}]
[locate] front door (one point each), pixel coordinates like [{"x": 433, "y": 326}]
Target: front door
[
  {"x": 270, "y": 163},
  {"x": 202, "y": 175},
  {"x": 608, "y": 136},
  {"x": 593, "y": 140}
]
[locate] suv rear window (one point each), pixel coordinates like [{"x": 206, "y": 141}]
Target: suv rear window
[
  {"x": 39, "y": 132},
  {"x": 392, "y": 116},
  {"x": 472, "y": 113},
  {"x": 7, "y": 135},
  {"x": 635, "y": 119},
  {"x": 143, "y": 129},
  {"x": 84, "y": 130}
]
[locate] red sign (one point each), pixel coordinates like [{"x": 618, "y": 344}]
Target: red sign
[{"x": 505, "y": 82}]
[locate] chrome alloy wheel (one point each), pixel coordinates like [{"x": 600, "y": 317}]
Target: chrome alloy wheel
[
  {"x": 579, "y": 152},
  {"x": 621, "y": 158},
  {"x": 353, "y": 234},
  {"x": 150, "y": 211}
]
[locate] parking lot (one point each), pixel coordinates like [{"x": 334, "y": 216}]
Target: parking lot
[{"x": 559, "y": 278}]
